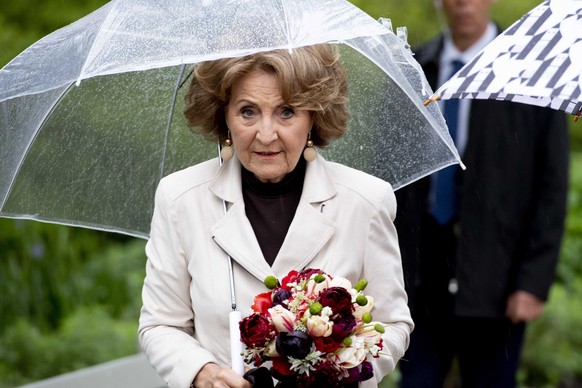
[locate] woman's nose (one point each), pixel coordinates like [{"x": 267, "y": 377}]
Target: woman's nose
[{"x": 267, "y": 131}]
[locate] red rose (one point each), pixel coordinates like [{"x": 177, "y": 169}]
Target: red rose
[
  {"x": 290, "y": 278},
  {"x": 326, "y": 375},
  {"x": 326, "y": 344},
  {"x": 256, "y": 330},
  {"x": 263, "y": 303},
  {"x": 338, "y": 298}
]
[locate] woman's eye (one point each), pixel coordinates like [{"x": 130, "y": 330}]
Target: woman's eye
[
  {"x": 247, "y": 112},
  {"x": 287, "y": 113}
]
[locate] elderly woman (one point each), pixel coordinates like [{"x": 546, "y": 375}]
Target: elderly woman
[{"x": 274, "y": 205}]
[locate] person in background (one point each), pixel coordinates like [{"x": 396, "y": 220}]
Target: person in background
[
  {"x": 274, "y": 205},
  {"x": 480, "y": 246}
]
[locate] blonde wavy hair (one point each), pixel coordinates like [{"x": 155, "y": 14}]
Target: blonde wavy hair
[{"x": 310, "y": 78}]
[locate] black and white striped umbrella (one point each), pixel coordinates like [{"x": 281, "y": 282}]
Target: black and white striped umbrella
[{"x": 537, "y": 61}]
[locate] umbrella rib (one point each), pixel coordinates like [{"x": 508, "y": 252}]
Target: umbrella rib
[
  {"x": 169, "y": 123},
  {"x": 411, "y": 98},
  {"x": 29, "y": 145},
  {"x": 287, "y": 27},
  {"x": 106, "y": 21}
]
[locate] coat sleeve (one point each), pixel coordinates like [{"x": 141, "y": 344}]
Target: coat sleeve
[
  {"x": 383, "y": 270},
  {"x": 166, "y": 321},
  {"x": 536, "y": 272}
]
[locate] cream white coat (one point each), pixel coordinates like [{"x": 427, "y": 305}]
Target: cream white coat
[{"x": 343, "y": 225}]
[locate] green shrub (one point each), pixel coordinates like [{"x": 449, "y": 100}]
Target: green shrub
[
  {"x": 69, "y": 298},
  {"x": 570, "y": 264},
  {"x": 48, "y": 271},
  {"x": 89, "y": 336},
  {"x": 552, "y": 354}
]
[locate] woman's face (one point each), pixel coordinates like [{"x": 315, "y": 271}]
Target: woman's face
[{"x": 268, "y": 135}]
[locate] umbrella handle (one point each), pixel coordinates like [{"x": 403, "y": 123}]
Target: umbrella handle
[{"x": 236, "y": 349}]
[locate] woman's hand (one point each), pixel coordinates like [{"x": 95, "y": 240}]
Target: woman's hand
[{"x": 214, "y": 376}]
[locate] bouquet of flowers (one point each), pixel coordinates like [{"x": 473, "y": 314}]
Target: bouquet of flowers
[{"x": 316, "y": 329}]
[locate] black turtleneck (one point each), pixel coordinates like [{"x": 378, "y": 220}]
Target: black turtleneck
[{"x": 270, "y": 207}]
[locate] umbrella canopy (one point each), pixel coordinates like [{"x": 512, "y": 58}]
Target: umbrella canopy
[
  {"x": 91, "y": 115},
  {"x": 537, "y": 61}
]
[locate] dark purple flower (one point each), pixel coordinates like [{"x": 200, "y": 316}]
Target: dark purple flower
[
  {"x": 366, "y": 371},
  {"x": 338, "y": 298},
  {"x": 343, "y": 326},
  {"x": 259, "y": 377},
  {"x": 280, "y": 296},
  {"x": 362, "y": 372},
  {"x": 296, "y": 344}
]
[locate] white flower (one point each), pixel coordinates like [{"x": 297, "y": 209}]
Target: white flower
[
  {"x": 282, "y": 318},
  {"x": 319, "y": 326},
  {"x": 341, "y": 282},
  {"x": 374, "y": 350},
  {"x": 369, "y": 334},
  {"x": 271, "y": 349},
  {"x": 361, "y": 310},
  {"x": 350, "y": 356},
  {"x": 313, "y": 289}
]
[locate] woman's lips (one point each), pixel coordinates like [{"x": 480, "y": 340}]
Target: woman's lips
[{"x": 267, "y": 155}]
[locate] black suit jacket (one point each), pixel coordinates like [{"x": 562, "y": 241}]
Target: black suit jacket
[{"x": 512, "y": 209}]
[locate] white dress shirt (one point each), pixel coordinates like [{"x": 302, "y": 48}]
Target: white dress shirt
[{"x": 449, "y": 54}]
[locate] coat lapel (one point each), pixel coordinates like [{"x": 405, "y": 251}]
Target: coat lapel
[
  {"x": 233, "y": 232},
  {"x": 308, "y": 233}
]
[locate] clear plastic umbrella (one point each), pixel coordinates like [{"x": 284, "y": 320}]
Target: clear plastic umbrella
[
  {"x": 536, "y": 61},
  {"x": 91, "y": 115}
]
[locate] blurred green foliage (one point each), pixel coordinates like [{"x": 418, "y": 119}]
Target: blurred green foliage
[
  {"x": 86, "y": 337},
  {"x": 570, "y": 261},
  {"x": 70, "y": 297},
  {"x": 552, "y": 354},
  {"x": 23, "y": 22}
]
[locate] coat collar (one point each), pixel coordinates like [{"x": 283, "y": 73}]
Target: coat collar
[{"x": 307, "y": 234}]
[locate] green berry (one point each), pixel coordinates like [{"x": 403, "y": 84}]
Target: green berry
[
  {"x": 361, "y": 285},
  {"x": 347, "y": 341},
  {"x": 361, "y": 300},
  {"x": 319, "y": 278},
  {"x": 271, "y": 282},
  {"x": 315, "y": 308},
  {"x": 367, "y": 317},
  {"x": 379, "y": 328}
]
